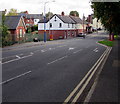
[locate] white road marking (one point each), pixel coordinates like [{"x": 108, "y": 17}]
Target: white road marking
[
  {"x": 71, "y": 48},
  {"x": 88, "y": 80},
  {"x": 12, "y": 56},
  {"x": 81, "y": 82},
  {"x": 57, "y": 60},
  {"x": 18, "y": 56},
  {"x": 62, "y": 46},
  {"x": 96, "y": 80},
  {"x": 43, "y": 51},
  {"x": 16, "y": 59},
  {"x": 15, "y": 77},
  {"x": 31, "y": 53},
  {"x": 95, "y": 50},
  {"x": 77, "y": 51},
  {"x": 51, "y": 48}
]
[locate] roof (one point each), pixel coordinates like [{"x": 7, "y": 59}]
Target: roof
[
  {"x": 42, "y": 20},
  {"x": 12, "y": 21},
  {"x": 34, "y": 16},
  {"x": 65, "y": 19},
  {"x": 76, "y": 19}
]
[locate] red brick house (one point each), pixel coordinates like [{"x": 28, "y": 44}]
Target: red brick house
[
  {"x": 31, "y": 19},
  {"x": 16, "y": 26}
]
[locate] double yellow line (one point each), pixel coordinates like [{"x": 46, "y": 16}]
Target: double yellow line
[{"x": 76, "y": 93}]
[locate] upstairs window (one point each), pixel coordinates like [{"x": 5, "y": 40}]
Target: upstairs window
[
  {"x": 60, "y": 25},
  {"x": 55, "y": 19},
  {"x": 50, "y": 25},
  {"x": 72, "y": 25},
  {"x": 68, "y": 25}
]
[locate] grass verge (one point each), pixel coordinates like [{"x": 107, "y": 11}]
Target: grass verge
[{"x": 107, "y": 43}]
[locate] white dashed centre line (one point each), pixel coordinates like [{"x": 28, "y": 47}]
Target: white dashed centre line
[
  {"x": 11, "y": 79},
  {"x": 57, "y": 60}
]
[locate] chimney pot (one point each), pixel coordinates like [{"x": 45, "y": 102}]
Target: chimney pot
[{"x": 62, "y": 13}]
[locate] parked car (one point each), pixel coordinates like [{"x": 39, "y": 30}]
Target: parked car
[
  {"x": 94, "y": 29},
  {"x": 81, "y": 35},
  {"x": 36, "y": 40},
  {"x": 99, "y": 29}
]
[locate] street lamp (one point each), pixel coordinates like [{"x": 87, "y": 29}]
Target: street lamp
[{"x": 45, "y": 19}]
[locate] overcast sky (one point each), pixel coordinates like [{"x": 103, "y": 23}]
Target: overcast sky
[{"x": 36, "y": 6}]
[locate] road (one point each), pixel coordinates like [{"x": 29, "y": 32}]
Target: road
[{"x": 48, "y": 73}]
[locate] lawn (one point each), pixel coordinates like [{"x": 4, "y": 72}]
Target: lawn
[{"x": 107, "y": 43}]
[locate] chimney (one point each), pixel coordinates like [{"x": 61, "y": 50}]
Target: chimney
[
  {"x": 62, "y": 13},
  {"x": 26, "y": 12}
]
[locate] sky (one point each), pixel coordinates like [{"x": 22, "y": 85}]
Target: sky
[{"x": 37, "y": 6}]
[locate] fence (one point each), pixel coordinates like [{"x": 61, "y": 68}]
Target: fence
[{"x": 29, "y": 37}]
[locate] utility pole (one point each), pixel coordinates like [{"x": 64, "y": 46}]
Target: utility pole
[
  {"x": 45, "y": 19},
  {"x": 83, "y": 22}
]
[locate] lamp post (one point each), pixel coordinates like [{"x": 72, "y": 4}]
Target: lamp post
[{"x": 45, "y": 19}]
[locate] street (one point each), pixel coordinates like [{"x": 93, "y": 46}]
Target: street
[{"x": 49, "y": 72}]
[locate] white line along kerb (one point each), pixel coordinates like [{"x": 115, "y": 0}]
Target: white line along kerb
[
  {"x": 86, "y": 83},
  {"x": 77, "y": 87}
]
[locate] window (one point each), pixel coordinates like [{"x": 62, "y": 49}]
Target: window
[
  {"x": 68, "y": 25},
  {"x": 55, "y": 19},
  {"x": 20, "y": 32},
  {"x": 72, "y": 25},
  {"x": 50, "y": 25},
  {"x": 60, "y": 25}
]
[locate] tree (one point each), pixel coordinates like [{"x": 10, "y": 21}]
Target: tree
[
  {"x": 6, "y": 38},
  {"x": 12, "y": 12},
  {"x": 49, "y": 14},
  {"x": 74, "y": 13},
  {"x": 108, "y": 13}
]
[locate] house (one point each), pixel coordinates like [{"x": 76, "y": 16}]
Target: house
[
  {"x": 31, "y": 19},
  {"x": 59, "y": 26},
  {"x": 97, "y": 24},
  {"x": 16, "y": 27},
  {"x": 80, "y": 25}
]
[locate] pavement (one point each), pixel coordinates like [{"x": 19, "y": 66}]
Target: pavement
[
  {"x": 32, "y": 44},
  {"x": 108, "y": 86}
]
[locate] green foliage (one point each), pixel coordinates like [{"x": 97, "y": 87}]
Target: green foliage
[
  {"x": 108, "y": 13},
  {"x": 34, "y": 28},
  {"x": 49, "y": 14},
  {"x": 12, "y": 12},
  {"x": 107, "y": 43},
  {"x": 74, "y": 13},
  {"x": 6, "y": 38}
]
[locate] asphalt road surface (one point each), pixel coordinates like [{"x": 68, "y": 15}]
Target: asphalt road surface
[{"x": 48, "y": 73}]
